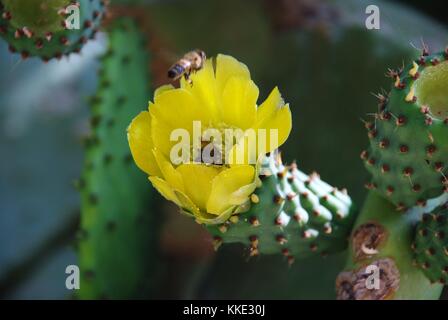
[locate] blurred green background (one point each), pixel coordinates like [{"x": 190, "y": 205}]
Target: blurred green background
[{"x": 320, "y": 55}]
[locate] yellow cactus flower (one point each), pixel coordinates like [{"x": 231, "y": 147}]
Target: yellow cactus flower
[{"x": 213, "y": 181}]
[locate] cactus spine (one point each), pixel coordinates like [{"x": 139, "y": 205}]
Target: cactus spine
[
  {"x": 117, "y": 237},
  {"x": 291, "y": 214},
  {"x": 39, "y": 27}
]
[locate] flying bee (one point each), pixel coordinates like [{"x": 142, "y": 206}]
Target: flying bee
[{"x": 189, "y": 63}]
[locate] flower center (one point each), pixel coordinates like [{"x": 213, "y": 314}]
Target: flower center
[{"x": 216, "y": 144}]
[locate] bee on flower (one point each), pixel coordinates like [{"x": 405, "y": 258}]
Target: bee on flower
[
  {"x": 200, "y": 144},
  {"x": 191, "y": 62}
]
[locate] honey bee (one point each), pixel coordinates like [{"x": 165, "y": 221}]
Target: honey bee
[{"x": 191, "y": 62}]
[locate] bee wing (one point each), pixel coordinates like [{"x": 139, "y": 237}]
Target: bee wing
[{"x": 168, "y": 55}]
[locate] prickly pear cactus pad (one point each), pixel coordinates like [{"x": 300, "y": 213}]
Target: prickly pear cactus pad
[
  {"x": 431, "y": 245},
  {"x": 117, "y": 239},
  {"x": 408, "y": 154},
  {"x": 41, "y": 27},
  {"x": 291, "y": 214}
]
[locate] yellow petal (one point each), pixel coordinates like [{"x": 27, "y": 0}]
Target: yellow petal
[
  {"x": 239, "y": 100},
  {"x": 231, "y": 187},
  {"x": 203, "y": 87},
  {"x": 227, "y": 67},
  {"x": 161, "y": 133},
  {"x": 170, "y": 104},
  {"x": 188, "y": 205},
  {"x": 198, "y": 182},
  {"x": 273, "y": 102},
  {"x": 176, "y": 196},
  {"x": 171, "y": 176},
  {"x": 241, "y": 195},
  {"x": 162, "y": 89},
  {"x": 165, "y": 189},
  {"x": 141, "y": 144},
  {"x": 274, "y": 114},
  {"x": 216, "y": 219},
  {"x": 173, "y": 110}
]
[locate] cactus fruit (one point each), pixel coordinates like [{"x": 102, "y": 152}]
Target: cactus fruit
[
  {"x": 117, "y": 237},
  {"x": 291, "y": 213},
  {"x": 408, "y": 152},
  {"x": 40, "y": 27},
  {"x": 431, "y": 244}
]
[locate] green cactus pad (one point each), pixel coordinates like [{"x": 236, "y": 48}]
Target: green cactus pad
[
  {"x": 431, "y": 245},
  {"x": 38, "y": 27},
  {"x": 117, "y": 239},
  {"x": 291, "y": 214},
  {"x": 408, "y": 154}
]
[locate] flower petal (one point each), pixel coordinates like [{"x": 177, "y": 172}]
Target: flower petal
[
  {"x": 198, "y": 182},
  {"x": 141, "y": 144},
  {"x": 273, "y": 114},
  {"x": 239, "y": 102},
  {"x": 175, "y": 110},
  {"x": 214, "y": 219},
  {"x": 227, "y": 67},
  {"x": 203, "y": 87},
  {"x": 175, "y": 102},
  {"x": 230, "y": 188},
  {"x": 165, "y": 189},
  {"x": 186, "y": 204},
  {"x": 190, "y": 207},
  {"x": 171, "y": 176},
  {"x": 162, "y": 89}
]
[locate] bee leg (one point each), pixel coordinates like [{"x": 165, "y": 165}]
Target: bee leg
[{"x": 188, "y": 79}]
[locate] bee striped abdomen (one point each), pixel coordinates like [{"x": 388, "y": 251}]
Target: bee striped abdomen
[{"x": 175, "y": 71}]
